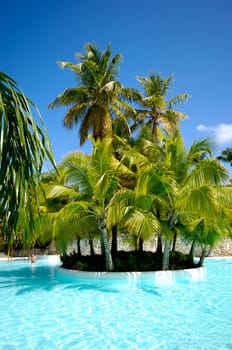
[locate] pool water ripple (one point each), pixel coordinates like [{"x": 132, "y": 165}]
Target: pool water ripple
[{"x": 42, "y": 309}]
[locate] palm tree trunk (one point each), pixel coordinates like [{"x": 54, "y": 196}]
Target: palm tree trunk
[
  {"x": 102, "y": 245},
  {"x": 109, "y": 266},
  {"x": 78, "y": 246},
  {"x": 135, "y": 241},
  {"x": 92, "y": 252},
  {"x": 155, "y": 125},
  {"x": 202, "y": 257},
  {"x": 174, "y": 242},
  {"x": 159, "y": 245},
  {"x": 191, "y": 253},
  {"x": 140, "y": 244},
  {"x": 165, "y": 262},
  {"x": 209, "y": 252},
  {"x": 114, "y": 242}
]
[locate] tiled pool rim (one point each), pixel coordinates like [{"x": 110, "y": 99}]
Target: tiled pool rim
[{"x": 194, "y": 274}]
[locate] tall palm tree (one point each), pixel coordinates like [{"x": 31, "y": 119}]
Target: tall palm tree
[
  {"x": 23, "y": 147},
  {"x": 157, "y": 112},
  {"x": 98, "y": 98}
]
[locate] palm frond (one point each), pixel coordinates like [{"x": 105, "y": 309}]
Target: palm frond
[
  {"x": 118, "y": 205},
  {"x": 76, "y": 173},
  {"x": 58, "y": 191},
  {"x": 200, "y": 150},
  {"x": 141, "y": 223},
  {"x": 207, "y": 172},
  {"x": 177, "y": 99},
  {"x": 24, "y": 145},
  {"x": 71, "y": 96},
  {"x": 201, "y": 201}
]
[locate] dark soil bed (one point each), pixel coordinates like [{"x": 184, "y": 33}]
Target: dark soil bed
[{"x": 127, "y": 261}]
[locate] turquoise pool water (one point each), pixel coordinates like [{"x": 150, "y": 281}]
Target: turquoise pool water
[{"x": 40, "y": 308}]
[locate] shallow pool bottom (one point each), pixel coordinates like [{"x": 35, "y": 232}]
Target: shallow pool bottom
[{"x": 40, "y": 307}]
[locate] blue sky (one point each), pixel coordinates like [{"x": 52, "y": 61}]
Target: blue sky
[{"x": 190, "y": 39}]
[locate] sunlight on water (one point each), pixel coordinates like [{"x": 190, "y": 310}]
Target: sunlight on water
[{"x": 42, "y": 308}]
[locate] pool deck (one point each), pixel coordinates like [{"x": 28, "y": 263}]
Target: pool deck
[{"x": 51, "y": 258}]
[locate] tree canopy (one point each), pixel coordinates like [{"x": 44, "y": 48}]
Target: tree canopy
[
  {"x": 99, "y": 97},
  {"x": 140, "y": 181}
]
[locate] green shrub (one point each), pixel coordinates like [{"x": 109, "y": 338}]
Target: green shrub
[
  {"x": 79, "y": 266},
  {"x": 127, "y": 261},
  {"x": 179, "y": 260}
]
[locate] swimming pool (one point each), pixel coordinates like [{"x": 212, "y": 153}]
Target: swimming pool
[{"x": 40, "y": 308}]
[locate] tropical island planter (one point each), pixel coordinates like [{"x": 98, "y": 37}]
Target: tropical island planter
[{"x": 131, "y": 261}]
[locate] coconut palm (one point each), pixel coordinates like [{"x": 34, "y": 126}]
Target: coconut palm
[
  {"x": 99, "y": 97},
  {"x": 132, "y": 210},
  {"x": 61, "y": 217},
  {"x": 199, "y": 193},
  {"x": 185, "y": 176},
  {"x": 204, "y": 203},
  {"x": 90, "y": 182},
  {"x": 23, "y": 147},
  {"x": 133, "y": 206},
  {"x": 163, "y": 173},
  {"x": 157, "y": 112}
]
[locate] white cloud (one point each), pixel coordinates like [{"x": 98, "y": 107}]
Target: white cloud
[
  {"x": 202, "y": 127},
  {"x": 222, "y": 133}
]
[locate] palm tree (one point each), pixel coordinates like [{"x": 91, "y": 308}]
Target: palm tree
[
  {"x": 64, "y": 216},
  {"x": 99, "y": 97},
  {"x": 90, "y": 182},
  {"x": 226, "y": 156},
  {"x": 204, "y": 203},
  {"x": 132, "y": 206},
  {"x": 23, "y": 147},
  {"x": 157, "y": 112},
  {"x": 163, "y": 173},
  {"x": 132, "y": 211},
  {"x": 188, "y": 186}
]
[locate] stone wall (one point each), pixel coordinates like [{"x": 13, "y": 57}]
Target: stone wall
[{"x": 224, "y": 248}]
